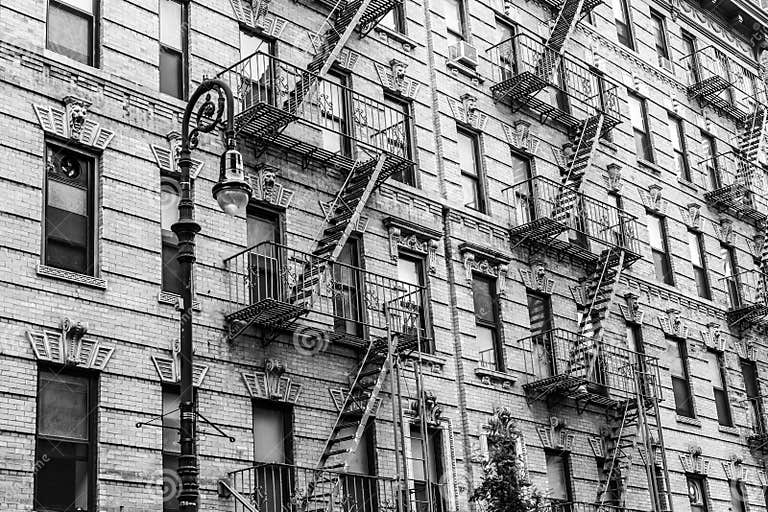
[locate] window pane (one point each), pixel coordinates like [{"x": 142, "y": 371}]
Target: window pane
[
  {"x": 171, "y": 72},
  {"x": 453, "y": 16},
  {"x": 682, "y": 392},
  {"x": 655, "y": 232},
  {"x": 62, "y": 482},
  {"x": 63, "y": 406},
  {"x": 539, "y": 314},
  {"x": 659, "y": 35},
  {"x": 171, "y": 483},
  {"x": 251, "y": 44},
  {"x": 674, "y": 133},
  {"x": 69, "y": 33},
  {"x": 467, "y": 153},
  {"x": 269, "y": 435},
  {"x": 470, "y": 192},
  {"x": 64, "y": 196},
  {"x": 636, "y": 113},
  {"x": 556, "y": 477},
  {"x": 723, "y": 408},
  {"x": 169, "y": 203},
  {"x": 482, "y": 293},
  {"x": 360, "y": 462},
  {"x": 83, "y": 5},
  {"x": 409, "y": 270},
  {"x": 171, "y": 402},
  {"x": 713, "y": 369},
  {"x": 486, "y": 343},
  {"x": 737, "y": 497},
  {"x": 170, "y": 23},
  {"x": 675, "y": 360},
  {"x": 260, "y": 230},
  {"x": 171, "y": 279},
  {"x": 695, "y": 249},
  {"x": 618, "y": 11},
  {"x": 521, "y": 170}
]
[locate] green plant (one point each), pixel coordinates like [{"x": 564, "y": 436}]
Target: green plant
[{"x": 505, "y": 487}]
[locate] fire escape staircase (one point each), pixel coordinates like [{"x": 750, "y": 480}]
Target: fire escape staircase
[{"x": 620, "y": 446}]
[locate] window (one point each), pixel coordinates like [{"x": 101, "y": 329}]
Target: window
[
  {"x": 696, "y": 249},
  {"x": 453, "y": 11},
  {"x": 677, "y": 136},
  {"x": 334, "y": 116},
  {"x": 172, "y": 43},
  {"x": 348, "y": 291},
  {"x": 172, "y": 281},
  {"x": 557, "y": 477},
  {"x": 506, "y": 49},
  {"x": 639, "y": 117},
  {"x": 411, "y": 270},
  {"x": 69, "y": 210},
  {"x": 487, "y": 326},
  {"x": 709, "y": 154},
  {"x": 681, "y": 385},
  {"x": 397, "y": 133},
  {"x": 394, "y": 20},
  {"x": 696, "y": 495},
  {"x": 540, "y": 317},
  {"x": 754, "y": 399},
  {"x": 603, "y": 484},
  {"x": 658, "y": 238},
  {"x": 716, "y": 374},
  {"x": 71, "y": 29},
  {"x": 635, "y": 338},
  {"x": 264, "y": 265},
  {"x": 65, "y": 442},
  {"x": 257, "y": 71},
  {"x": 623, "y": 23},
  {"x": 690, "y": 60},
  {"x": 738, "y": 500},
  {"x": 730, "y": 266},
  {"x": 360, "y": 493},
  {"x": 427, "y": 469},
  {"x": 469, "y": 162},
  {"x": 525, "y": 211},
  {"x": 171, "y": 449},
  {"x": 658, "y": 26},
  {"x": 272, "y": 438}
]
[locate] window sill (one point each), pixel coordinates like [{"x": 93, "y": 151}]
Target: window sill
[
  {"x": 430, "y": 361},
  {"x": 688, "y": 184},
  {"x": 471, "y": 73},
  {"x": 172, "y": 299},
  {"x": 609, "y": 145},
  {"x": 729, "y": 430},
  {"x": 649, "y": 165},
  {"x": 688, "y": 421},
  {"x": 491, "y": 377},
  {"x": 385, "y": 33},
  {"x": 72, "y": 277}
]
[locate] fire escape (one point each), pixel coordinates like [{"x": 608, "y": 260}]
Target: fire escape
[{"x": 280, "y": 289}]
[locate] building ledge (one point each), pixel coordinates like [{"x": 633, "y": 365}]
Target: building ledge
[
  {"x": 408, "y": 44},
  {"x": 435, "y": 364},
  {"x": 729, "y": 430},
  {"x": 649, "y": 165},
  {"x": 72, "y": 277},
  {"x": 172, "y": 299},
  {"x": 688, "y": 421},
  {"x": 490, "y": 377}
]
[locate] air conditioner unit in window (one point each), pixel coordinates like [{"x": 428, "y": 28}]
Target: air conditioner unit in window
[{"x": 463, "y": 53}]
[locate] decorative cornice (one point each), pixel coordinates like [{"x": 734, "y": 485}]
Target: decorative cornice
[
  {"x": 267, "y": 188},
  {"x": 69, "y": 346},
  {"x": 72, "y": 123},
  {"x": 691, "y": 216},
  {"x": 673, "y": 324},
  {"x": 652, "y": 199},
  {"x": 404, "y": 234},
  {"x": 465, "y": 111},
  {"x": 169, "y": 368},
  {"x": 723, "y": 230},
  {"x": 756, "y": 244},
  {"x": 255, "y": 14},
  {"x": 555, "y": 436},
  {"x": 693, "y": 462},
  {"x": 485, "y": 261},
  {"x": 167, "y": 157},
  {"x": 394, "y": 78},
  {"x": 537, "y": 278},
  {"x": 521, "y": 138},
  {"x": 714, "y": 338},
  {"x": 271, "y": 383},
  {"x": 710, "y": 24},
  {"x": 735, "y": 469},
  {"x": 632, "y": 310}
]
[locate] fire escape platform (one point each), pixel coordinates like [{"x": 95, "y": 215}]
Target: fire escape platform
[
  {"x": 734, "y": 199},
  {"x": 746, "y": 314}
]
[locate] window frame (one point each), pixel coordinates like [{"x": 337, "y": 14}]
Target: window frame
[
  {"x": 681, "y": 152},
  {"x": 399, "y": 19},
  {"x": 700, "y": 271},
  {"x": 428, "y": 344},
  {"x": 477, "y": 177},
  {"x": 436, "y": 434},
  {"x": 93, "y": 435},
  {"x": 644, "y": 132},
  {"x": 565, "y": 456},
  {"x": 685, "y": 379},
  {"x": 726, "y": 421},
  {"x": 344, "y": 115},
  {"x": 52, "y": 144},
  {"x": 702, "y": 485},
  {"x": 755, "y": 405},
  {"x": 741, "y": 491},
  {"x": 406, "y": 107},
  {"x": 182, "y": 53},
  {"x": 663, "y": 252},
  {"x": 259, "y": 261},
  {"x": 626, "y": 23},
  {"x": 659, "y": 22},
  {"x": 453, "y": 36},
  {"x": 94, "y": 32},
  {"x": 168, "y": 238},
  {"x": 495, "y": 325},
  {"x": 287, "y": 410}
]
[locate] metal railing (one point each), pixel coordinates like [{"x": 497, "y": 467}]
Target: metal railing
[
  {"x": 746, "y": 289},
  {"x": 488, "y": 359},
  {"x": 261, "y": 79},
  {"x": 522, "y": 54},
  {"x": 574, "y": 506},
  {"x": 756, "y": 417},
  {"x": 275, "y": 487},
  {"x": 540, "y": 199},
  {"x": 337, "y": 297},
  {"x": 735, "y": 182},
  {"x": 710, "y": 72},
  {"x": 614, "y": 371}
]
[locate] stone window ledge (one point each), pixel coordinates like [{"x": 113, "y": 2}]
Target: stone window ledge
[
  {"x": 688, "y": 421},
  {"x": 434, "y": 364},
  {"x": 729, "y": 430},
  {"x": 72, "y": 277},
  {"x": 175, "y": 300},
  {"x": 408, "y": 43},
  {"x": 489, "y": 377},
  {"x": 649, "y": 165}
]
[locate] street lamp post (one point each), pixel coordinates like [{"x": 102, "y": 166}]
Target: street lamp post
[{"x": 232, "y": 193}]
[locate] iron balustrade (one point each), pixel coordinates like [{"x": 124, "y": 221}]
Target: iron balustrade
[
  {"x": 276, "y": 487},
  {"x": 541, "y": 205},
  {"x": 718, "y": 80},
  {"x": 271, "y": 92},
  {"x": 616, "y": 372},
  {"x": 523, "y": 65},
  {"x": 736, "y": 183},
  {"x": 579, "y": 506},
  {"x": 745, "y": 289},
  {"x": 335, "y": 296}
]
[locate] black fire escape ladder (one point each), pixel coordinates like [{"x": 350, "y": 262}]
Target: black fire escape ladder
[
  {"x": 598, "y": 292},
  {"x": 554, "y": 48},
  {"x": 620, "y": 445}
]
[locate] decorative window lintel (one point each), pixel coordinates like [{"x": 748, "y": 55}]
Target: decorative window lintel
[
  {"x": 694, "y": 463},
  {"x": 169, "y": 368},
  {"x": 272, "y": 383},
  {"x": 555, "y": 436},
  {"x": 485, "y": 261},
  {"x": 167, "y": 157},
  {"x": 404, "y": 234},
  {"x": 69, "y": 346},
  {"x": 465, "y": 111},
  {"x": 72, "y": 123},
  {"x": 673, "y": 324},
  {"x": 267, "y": 187},
  {"x": 537, "y": 278}
]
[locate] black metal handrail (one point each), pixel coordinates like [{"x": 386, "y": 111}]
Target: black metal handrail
[
  {"x": 262, "y": 79},
  {"x": 617, "y": 371},
  {"x": 541, "y": 198},
  {"x": 746, "y": 288},
  {"x": 523, "y": 53}
]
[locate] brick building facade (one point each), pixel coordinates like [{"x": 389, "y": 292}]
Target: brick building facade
[{"x": 570, "y": 196}]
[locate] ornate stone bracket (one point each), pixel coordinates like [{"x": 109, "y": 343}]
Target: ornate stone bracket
[
  {"x": 691, "y": 216},
  {"x": 69, "y": 346},
  {"x": 537, "y": 278},
  {"x": 756, "y": 244},
  {"x": 693, "y": 462},
  {"x": 613, "y": 179},
  {"x": 271, "y": 383},
  {"x": 404, "y": 234},
  {"x": 433, "y": 412},
  {"x": 169, "y": 368},
  {"x": 632, "y": 310},
  {"x": 724, "y": 230},
  {"x": 521, "y": 138},
  {"x": 167, "y": 157},
  {"x": 747, "y": 349},
  {"x": 735, "y": 469},
  {"x": 555, "y": 436},
  {"x": 673, "y": 324},
  {"x": 255, "y": 14},
  {"x": 598, "y": 446},
  {"x": 714, "y": 338},
  {"x": 485, "y": 261},
  {"x": 465, "y": 111},
  {"x": 653, "y": 200},
  {"x": 268, "y": 189},
  {"x": 393, "y": 78},
  {"x": 72, "y": 123}
]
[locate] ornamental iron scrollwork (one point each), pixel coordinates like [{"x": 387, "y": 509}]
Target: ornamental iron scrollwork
[{"x": 208, "y": 115}]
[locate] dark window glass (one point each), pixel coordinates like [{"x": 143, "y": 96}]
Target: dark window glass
[
  {"x": 661, "y": 259},
  {"x": 623, "y": 24},
  {"x": 69, "y": 230},
  {"x": 411, "y": 270},
  {"x": 169, "y": 214},
  {"x": 171, "y": 72},
  {"x": 64, "y": 439},
  {"x": 697, "y": 495},
  {"x": 754, "y": 399},
  {"x": 681, "y": 386},
  {"x": 427, "y": 468},
  {"x": 397, "y": 135},
  {"x": 171, "y": 449},
  {"x": 263, "y": 231},
  {"x": 469, "y": 163},
  {"x": 395, "y": 19},
  {"x": 348, "y": 294},
  {"x": 557, "y": 477},
  {"x": 696, "y": 249},
  {"x": 70, "y": 29},
  {"x": 738, "y": 501},
  {"x": 680, "y": 152},
  {"x": 716, "y": 375},
  {"x": 486, "y": 321},
  {"x": 710, "y": 161},
  {"x": 272, "y": 437},
  {"x": 639, "y": 117},
  {"x": 730, "y": 271},
  {"x": 690, "y": 60},
  {"x": 660, "y": 38}
]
